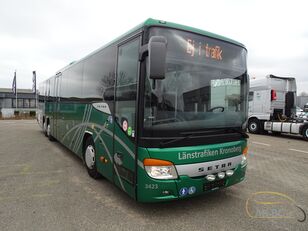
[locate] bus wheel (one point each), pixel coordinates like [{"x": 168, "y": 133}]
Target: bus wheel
[
  {"x": 305, "y": 133},
  {"x": 48, "y": 132},
  {"x": 89, "y": 159},
  {"x": 254, "y": 126},
  {"x": 45, "y": 128}
]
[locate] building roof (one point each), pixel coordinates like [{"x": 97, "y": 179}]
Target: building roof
[{"x": 9, "y": 90}]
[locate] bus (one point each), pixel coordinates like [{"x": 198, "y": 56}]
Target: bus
[{"x": 161, "y": 111}]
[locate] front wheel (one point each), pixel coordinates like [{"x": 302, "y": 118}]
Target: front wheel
[
  {"x": 305, "y": 133},
  {"x": 90, "y": 159},
  {"x": 254, "y": 126}
]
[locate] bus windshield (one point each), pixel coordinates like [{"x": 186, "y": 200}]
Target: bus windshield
[{"x": 204, "y": 86}]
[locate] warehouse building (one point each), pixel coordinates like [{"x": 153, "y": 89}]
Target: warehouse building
[{"x": 26, "y": 102}]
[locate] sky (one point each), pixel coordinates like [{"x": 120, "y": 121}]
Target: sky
[{"x": 47, "y": 35}]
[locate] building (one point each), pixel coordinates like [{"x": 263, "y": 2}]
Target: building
[
  {"x": 301, "y": 101},
  {"x": 26, "y": 101}
]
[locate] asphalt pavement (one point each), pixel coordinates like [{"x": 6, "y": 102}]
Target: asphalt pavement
[{"x": 44, "y": 186}]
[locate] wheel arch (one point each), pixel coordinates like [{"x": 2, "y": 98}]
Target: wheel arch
[{"x": 87, "y": 135}]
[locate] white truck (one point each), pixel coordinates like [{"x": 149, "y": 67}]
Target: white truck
[{"x": 272, "y": 107}]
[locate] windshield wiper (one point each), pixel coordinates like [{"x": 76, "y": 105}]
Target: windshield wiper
[
  {"x": 244, "y": 134},
  {"x": 163, "y": 144},
  {"x": 188, "y": 135}
]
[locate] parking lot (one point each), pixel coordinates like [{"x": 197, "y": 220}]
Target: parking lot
[{"x": 43, "y": 186}]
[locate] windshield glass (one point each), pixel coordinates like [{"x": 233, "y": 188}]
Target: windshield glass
[{"x": 204, "y": 87}]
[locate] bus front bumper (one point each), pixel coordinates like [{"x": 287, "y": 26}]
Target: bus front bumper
[{"x": 152, "y": 190}]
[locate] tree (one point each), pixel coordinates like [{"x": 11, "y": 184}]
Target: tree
[{"x": 303, "y": 93}]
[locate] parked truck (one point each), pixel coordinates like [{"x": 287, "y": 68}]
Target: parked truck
[{"x": 272, "y": 107}]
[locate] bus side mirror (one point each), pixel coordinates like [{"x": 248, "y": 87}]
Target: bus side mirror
[{"x": 157, "y": 57}]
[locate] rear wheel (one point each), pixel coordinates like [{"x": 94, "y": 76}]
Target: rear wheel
[
  {"x": 90, "y": 159},
  {"x": 48, "y": 132},
  {"x": 305, "y": 133},
  {"x": 254, "y": 126},
  {"x": 45, "y": 128}
]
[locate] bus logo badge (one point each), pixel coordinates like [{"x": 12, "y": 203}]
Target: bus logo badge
[{"x": 183, "y": 192}]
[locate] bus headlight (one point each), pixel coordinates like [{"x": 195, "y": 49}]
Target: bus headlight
[
  {"x": 244, "y": 161},
  {"x": 160, "y": 169}
]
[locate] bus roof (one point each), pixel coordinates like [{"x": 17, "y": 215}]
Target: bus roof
[{"x": 153, "y": 22}]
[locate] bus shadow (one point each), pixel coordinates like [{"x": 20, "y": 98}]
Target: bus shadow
[{"x": 205, "y": 203}]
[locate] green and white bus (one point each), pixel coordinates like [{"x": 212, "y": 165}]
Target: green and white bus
[{"x": 161, "y": 111}]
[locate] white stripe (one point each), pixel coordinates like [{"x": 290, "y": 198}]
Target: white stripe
[
  {"x": 261, "y": 143},
  {"x": 106, "y": 131},
  {"x": 121, "y": 183},
  {"x": 78, "y": 128},
  {"x": 78, "y": 141},
  {"x": 296, "y": 150},
  {"x": 101, "y": 139},
  {"x": 110, "y": 157}
]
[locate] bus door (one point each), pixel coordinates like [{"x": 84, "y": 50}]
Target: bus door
[
  {"x": 56, "y": 106},
  {"x": 125, "y": 113}
]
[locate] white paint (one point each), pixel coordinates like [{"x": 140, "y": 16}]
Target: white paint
[
  {"x": 103, "y": 107},
  {"x": 261, "y": 143},
  {"x": 296, "y": 150}
]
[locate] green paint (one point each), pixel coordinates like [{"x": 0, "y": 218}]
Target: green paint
[{"x": 71, "y": 122}]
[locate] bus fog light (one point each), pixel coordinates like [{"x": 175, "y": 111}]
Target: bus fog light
[
  {"x": 221, "y": 175},
  {"x": 229, "y": 172},
  {"x": 166, "y": 192},
  {"x": 210, "y": 177}
]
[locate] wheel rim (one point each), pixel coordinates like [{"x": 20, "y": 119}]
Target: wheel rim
[
  {"x": 90, "y": 157},
  {"x": 253, "y": 126},
  {"x": 306, "y": 132}
]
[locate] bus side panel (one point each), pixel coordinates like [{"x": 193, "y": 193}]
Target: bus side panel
[
  {"x": 124, "y": 161},
  {"x": 70, "y": 127},
  {"x": 101, "y": 127},
  {"x": 149, "y": 189}
]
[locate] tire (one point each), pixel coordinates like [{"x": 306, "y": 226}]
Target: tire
[
  {"x": 45, "y": 128},
  {"x": 89, "y": 158},
  {"x": 305, "y": 133},
  {"x": 254, "y": 126},
  {"x": 48, "y": 132}
]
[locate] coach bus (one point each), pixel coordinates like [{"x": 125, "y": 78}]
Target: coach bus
[{"x": 161, "y": 111}]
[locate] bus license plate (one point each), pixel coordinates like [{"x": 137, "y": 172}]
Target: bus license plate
[{"x": 213, "y": 185}]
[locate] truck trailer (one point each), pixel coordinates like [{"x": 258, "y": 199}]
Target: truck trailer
[{"x": 272, "y": 107}]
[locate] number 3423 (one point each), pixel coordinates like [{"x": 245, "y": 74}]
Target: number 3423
[{"x": 151, "y": 186}]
